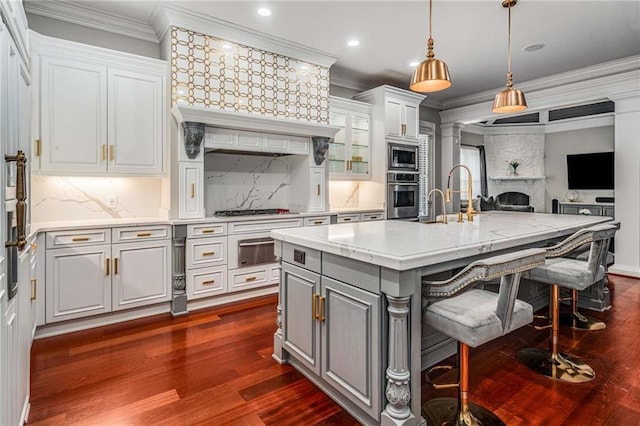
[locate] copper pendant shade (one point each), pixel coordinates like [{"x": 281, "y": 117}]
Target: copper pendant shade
[
  {"x": 432, "y": 75},
  {"x": 510, "y": 99}
]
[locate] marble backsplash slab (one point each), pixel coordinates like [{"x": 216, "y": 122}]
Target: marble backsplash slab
[
  {"x": 240, "y": 182},
  {"x": 64, "y": 198}
]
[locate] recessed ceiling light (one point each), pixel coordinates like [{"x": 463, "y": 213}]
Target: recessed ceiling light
[
  {"x": 533, "y": 47},
  {"x": 414, "y": 64},
  {"x": 263, "y": 11},
  {"x": 353, "y": 43}
]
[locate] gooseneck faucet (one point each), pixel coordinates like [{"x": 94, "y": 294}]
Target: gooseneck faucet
[
  {"x": 444, "y": 209},
  {"x": 470, "y": 210}
]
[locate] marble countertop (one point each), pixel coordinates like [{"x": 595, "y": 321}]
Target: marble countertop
[{"x": 401, "y": 245}]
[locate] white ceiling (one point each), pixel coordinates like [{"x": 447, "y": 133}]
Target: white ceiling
[{"x": 470, "y": 36}]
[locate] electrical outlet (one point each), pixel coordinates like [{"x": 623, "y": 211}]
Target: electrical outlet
[{"x": 113, "y": 201}]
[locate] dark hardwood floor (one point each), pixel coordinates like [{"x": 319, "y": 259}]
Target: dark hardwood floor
[{"x": 214, "y": 367}]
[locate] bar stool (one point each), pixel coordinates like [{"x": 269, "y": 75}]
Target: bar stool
[
  {"x": 561, "y": 271},
  {"x": 473, "y": 317}
]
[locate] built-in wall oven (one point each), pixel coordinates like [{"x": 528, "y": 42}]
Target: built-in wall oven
[
  {"x": 403, "y": 157},
  {"x": 402, "y": 195}
]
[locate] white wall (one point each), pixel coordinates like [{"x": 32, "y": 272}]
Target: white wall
[{"x": 558, "y": 145}]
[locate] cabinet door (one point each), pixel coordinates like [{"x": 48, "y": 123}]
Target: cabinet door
[
  {"x": 141, "y": 274},
  {"x": 191, "y": 201},
  {"x": 299, "y": 292},
  {"x": 73, "y": 116},
  {"x": 78, "y": 282},
  {"x": 360, "y": 146},
  {"x": 394, "y": 119},
  {"x": 12, "y": 403},
  {"x": 338, "y": 144},
  {"x": 318, "y": 190},
  {"x": 411, "y": 121},
  {"x": 350, "y": 335},
  {"x": 135, "y": 131}
]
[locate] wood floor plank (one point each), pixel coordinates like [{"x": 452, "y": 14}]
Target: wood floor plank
[{"x": 214, "y": 367}]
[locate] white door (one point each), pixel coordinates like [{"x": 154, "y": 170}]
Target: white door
[
  {"x": 135, "y": 130},
  {"x": 394, "y": 122},
  {"x": 78, "y": 282},
  {"x": 411, "y": 121},
  {"x": 141, "y": 274},
  {"x": 73, "y": 116},
  {"x": 318, "y": 189},
  {"x": 191, "y": 199}
]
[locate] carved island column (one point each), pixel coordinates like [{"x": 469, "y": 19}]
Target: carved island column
[{"x": 398, "y": 391}]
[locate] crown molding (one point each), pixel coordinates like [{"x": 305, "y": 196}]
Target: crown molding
[
  {"x": 171, "y": 15},
  {"x": 631, "y": 63},
  {"x": 593, "y": 90},
  {"x": 88, "y": 17}
]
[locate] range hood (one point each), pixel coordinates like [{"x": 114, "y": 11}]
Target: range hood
[{"x": 255, "y": 123}]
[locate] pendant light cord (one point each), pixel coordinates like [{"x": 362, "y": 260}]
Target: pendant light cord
[
  {"x": 430, "y": 13},
  {"x": 509, "y": 43}
]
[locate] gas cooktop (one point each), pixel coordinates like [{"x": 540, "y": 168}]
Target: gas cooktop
[{"x": 250, "y": 212}]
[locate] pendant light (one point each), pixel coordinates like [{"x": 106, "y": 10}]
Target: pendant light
[
  {"x": 510, "y": 99},
  {"x": 432, "y": 75}
]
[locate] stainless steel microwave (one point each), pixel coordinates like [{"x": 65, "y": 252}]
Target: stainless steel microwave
[{"x": 403, "y": 157}]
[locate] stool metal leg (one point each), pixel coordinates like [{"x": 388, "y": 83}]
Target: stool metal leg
[
  {"x": 551, "y": 363},
  {"x": 582, "y": 322},
  {"x": 459, "y": 412}
]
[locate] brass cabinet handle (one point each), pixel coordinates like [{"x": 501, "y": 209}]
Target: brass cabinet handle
[
  {"x": 208, "y": 282},
  {"x": 321, "y": 309},
  {"x": 104, "y": 152},
  {"x": 314, "y": 306},
  {"x": 318, "y": 190},
  {"x": 21, "y": 196},
  {"x": 107, "y": 265},
  {"x": 318, "y": 222},
  {"x": 115, "y": 265},
  {"x": 248, "y": 279},
  {"x": 143, "y": 234},
  {"x": 38, "y": 147},
  {"x": 34, "y": 288},
  {"x": 347, "y": 219},
  {"x": 34, "y": 246},
  {"x": 111, "y": 153},
  {"x": 78, "y": 239},
  {"x": 193, "y": 190},
  {"x": 208, "y": 231},
  {"x": 209, "y": 253}
]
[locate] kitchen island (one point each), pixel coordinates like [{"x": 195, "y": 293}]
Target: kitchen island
[{"x": 350, "y": 307}]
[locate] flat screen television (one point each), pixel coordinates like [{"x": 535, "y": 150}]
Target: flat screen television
[{"x": 590, "y": 171}]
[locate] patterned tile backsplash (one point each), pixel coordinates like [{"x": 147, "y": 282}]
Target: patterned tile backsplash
[{"x": 213, "y": 73}]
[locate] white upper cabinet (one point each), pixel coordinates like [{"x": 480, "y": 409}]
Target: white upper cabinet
[
  {"x": 135, "y": 122},
  {"x": 73, "y": 116},
  {"x": 350, "y": 148},
  {"x": 101, "y": 112},
  {"x": 402, "y": 119}
]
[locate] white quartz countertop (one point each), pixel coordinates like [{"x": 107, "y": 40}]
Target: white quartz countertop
[{"x": 401, "y": 245}]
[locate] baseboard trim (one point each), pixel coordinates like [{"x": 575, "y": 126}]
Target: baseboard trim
[{"x": 627, "y": 271}]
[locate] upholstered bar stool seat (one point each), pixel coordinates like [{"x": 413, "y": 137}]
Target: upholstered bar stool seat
[
  {"x": 574, "y": 274},
  {"x": 473, "y": 317}
]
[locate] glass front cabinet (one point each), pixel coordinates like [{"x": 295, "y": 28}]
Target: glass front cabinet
[{"x": 350, "y": 148}]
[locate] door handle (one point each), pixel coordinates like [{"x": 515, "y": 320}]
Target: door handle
[
  {"x": 34, "y": 289},
  {"x": 193, "y": 190},
  {"x": 107, "y": 266},
  {"x": 111, "y": 152},
  {"x": 321, "y": 309},
  {"x": 208, "y": 253},
  {"x": 115, "y": 265},
  {"x": 314, "y": 306},
  {"x": 208, "y": 282},
  {"x": 318, "y": 190},
  {"x": 21, "y": 195},
  {"x": 38, "y": 147},
  {"x": 104, "y": 152}
]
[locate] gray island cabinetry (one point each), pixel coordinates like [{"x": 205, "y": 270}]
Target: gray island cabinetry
[{"x": 350, "y": 307}]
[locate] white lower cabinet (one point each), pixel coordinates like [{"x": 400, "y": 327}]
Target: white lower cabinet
[
  {"x": 191, "y": 180},
  {"x": 205, "y": 282},
  {"x": 78, "y": 282},
  {"x": 141, "y": 271},
  {"x": 331, "y": 327},
  {"x": 252, "y": 277},
  {"x": 83, "y": 280}
]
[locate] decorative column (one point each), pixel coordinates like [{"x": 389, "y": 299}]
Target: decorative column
[
  {"x": 450, "y": 156},
  {"x": 627, "y": 182},
  {"x": 278, "y": 353},
  {"x": 398, "y": 392}
]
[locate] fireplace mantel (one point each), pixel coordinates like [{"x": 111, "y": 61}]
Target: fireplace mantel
[{"x": 506, "y": 179}]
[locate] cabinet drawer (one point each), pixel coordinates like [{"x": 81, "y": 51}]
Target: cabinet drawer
[
  {"x": 263, "y": 225},
  {"x": 319, "y": 220},
  {"x": 203, "y": 252},
  {"x": 342, "y": 218},
  {"x": 252, "y": 277},
  {"x": 206, "y": 282},
  {"x": 78, "y": 238},
  {"x": 139, "y": 233},
  {"x": 206, "y": 230},
  {"x": 371, "y": 216}
]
